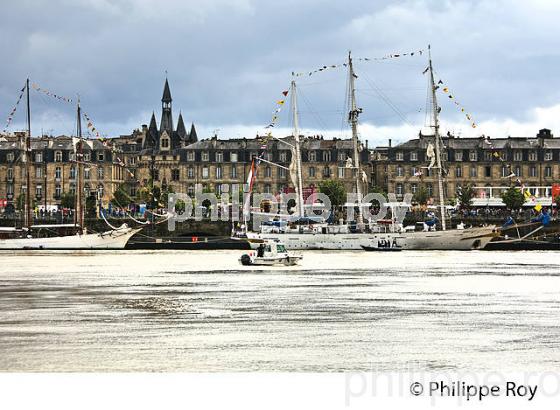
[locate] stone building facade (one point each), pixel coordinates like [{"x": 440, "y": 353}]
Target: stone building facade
[{"x": 490, "y": 164}]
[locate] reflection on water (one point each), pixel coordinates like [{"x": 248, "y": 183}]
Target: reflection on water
[{"x": 202, "y": 311}]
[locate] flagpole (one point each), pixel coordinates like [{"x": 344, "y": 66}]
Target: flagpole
[{"x": 297, "y": 151}]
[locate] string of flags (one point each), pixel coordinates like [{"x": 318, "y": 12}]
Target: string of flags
[
  {"x": 460, "y": 106},
  {"x": 279, "y": 105},
  {"x": 51, "y": 94},
  {"x": 332, "y": 66},
  {"x": 12, "y": 113}
]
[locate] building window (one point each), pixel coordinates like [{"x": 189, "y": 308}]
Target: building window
[
  {"x": 548, "y": 156},
  {"x": 233, "y": 157},
  {"x": 312, "y": 156},
  {"x": 487, "y": 156},
  {"x": 100, "y": 191},
  {"x": 165, "y": 142},
  {"x": 548, "y": 172},
  {"x": 430, "y": 189},
  {"x": 100, "y": 172},
  {"x": 234, "y": 172},
  {"x": 175, "y": 175},
  {"x": 205, "y": 156},
  {"x": 267, "y": 172},
  {"x": 10, "y": 189},
  {"x": 505, "y": 171},
  {"x": 518, "y": 171},
  {"x": 444, "y": 156},
  {"x": 400, "y": 189},
  {"x": 72, "y": 172},
  {"x": 190, "y": 190},
  {"x": 532, "y": 171},
  {"x": 101, "y": 156},
  {"x": 190, "y": 155},
  {"x": 532, "y": 156},
  {"x": 57, "y": 191},
  {"x": 58, "y": 156},
  {"x": 283, "y": 156},
  {"x": 400, "y": 156},
  {"x": 326, "y": 172},
  {"x": 58, "y": 173},
  {"x": 190, "y": 172},
  {"x": 400, "y": 171},
  {"x": 414, "y": 156},
  {"x": 38, "y": 172},
  {"x": 10, "y": 174},
  {"x": 39, "y": 191},
  {"x": 326, "y": 156},
  {"x": 459, "y": 172},
  {"x": 473, "y": 156},
  {"x": 458, "y": 155},
  {"x": 133, "y": 191},
  {"x": 219, "y": 172},
  {"x": 156, "y": 174},
  {"x": 10, "y": 157},
  {"x": 87, "y": 156},
  {"x": 267, "y": 189},
  {"x": 312, "y": 172},
  {"x": 413, "y": 171},
  {"x": 205, "y": 172},
  {"x": 473, "y": 172},
  {"x": 413, "y": 188},
  {"x": 219, "y": 156},
  {"x": 282, "y": 173},
  {"x": 487, "y": 171},
  {"x": 342, "y": 156},
  {"x": 518, "y": 156},
  {"x": 39, "y": 157},
  {"x": 341, "y": 172}
]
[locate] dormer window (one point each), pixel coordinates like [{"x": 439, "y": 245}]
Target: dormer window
[
  {"x": 400, "y": 156},
  {"x": 219, "y": 156},
  {"x": 165, "y": 142},
  {"x": 414, "y": 156},
  {"x": 205, "y": 156},
  {"x": 58, "y": 156}
]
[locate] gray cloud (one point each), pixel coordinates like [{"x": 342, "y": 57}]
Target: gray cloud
[{"x": 228, "y": 61}]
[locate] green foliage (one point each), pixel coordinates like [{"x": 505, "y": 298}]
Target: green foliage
[
  {"x": 121, "y": 197},
  {"x": 465, "y": 196},
  {"x": 91, "y": 207},
  {"x": 68, "y": 200},
  {"x": 557, "y": 201},
  {"x": 20, "y": 202},
  {"x": 421, "y": 196},
  {"x": 374, "y": 189},
  {"x": 513, "y": 198},
  {"x": 334, "y": 189}
]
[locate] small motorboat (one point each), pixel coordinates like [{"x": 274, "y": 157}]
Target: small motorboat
[
  {"x": 270, "y": 253},
  {"x": 383, "y": 245}
]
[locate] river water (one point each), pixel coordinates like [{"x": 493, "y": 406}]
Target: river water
[{"x": 338, "y": 311}]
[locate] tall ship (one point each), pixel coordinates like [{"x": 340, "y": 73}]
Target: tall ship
[
  {"x": 302, "y": 230},
  {"x": 61, "y": 236}
]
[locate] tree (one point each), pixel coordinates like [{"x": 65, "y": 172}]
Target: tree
[
  {"x": 465, "y": 195},
  {"x": 68, "y": 200},
  {"x": 91, "y": 206},
  {"x": 421, "y": 196},
  {"x": 513, "y": 198},
  {"x": 120, "y": 197},
  {"x": 335, "y": 191}
]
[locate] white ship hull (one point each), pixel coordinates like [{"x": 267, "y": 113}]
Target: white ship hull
[
  {"x": 460, "y": 239},
  {"x": 115, "y": 239}
]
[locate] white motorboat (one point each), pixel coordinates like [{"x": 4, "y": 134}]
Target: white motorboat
[{"x": 270, "y": 253}]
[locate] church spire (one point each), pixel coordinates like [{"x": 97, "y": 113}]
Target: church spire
[
  {"x": 192, "y": 135},
  {"x": 151, "y": 140},
  {"x": 166, "y": 123},
  {"x": 181, "y": 130}
]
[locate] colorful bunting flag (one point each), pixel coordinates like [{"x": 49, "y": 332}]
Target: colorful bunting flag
[
  {"x": 50, "y": 94},
  {"x": 11, "y": 115}
]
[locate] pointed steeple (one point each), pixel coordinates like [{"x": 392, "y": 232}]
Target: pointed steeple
[
  {"x": 192, "y": 135},
  {"x": 166, "y": 123},
  {"x": 166, "y": 93},
  {"x": 152, "y": 135},
  {"x": 181, "y": 130}
]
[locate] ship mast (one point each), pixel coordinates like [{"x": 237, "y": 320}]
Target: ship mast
[
  {"x": 27, "y": 156},
  {"x": 353, "y": 119},
  {"x": 438, "y": 142},
  {"x": 297, "y": 151},
  {"x": 79, "y": 217}
]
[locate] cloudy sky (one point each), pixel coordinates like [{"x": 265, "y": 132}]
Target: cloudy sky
[{"x": 229, "y": 60}]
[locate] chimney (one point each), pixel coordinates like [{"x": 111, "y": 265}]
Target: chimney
[
  {"x": 390, "y": 142},
  {"x": 367, "y": 144}
]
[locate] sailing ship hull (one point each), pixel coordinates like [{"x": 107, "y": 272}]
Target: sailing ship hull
[
  {"x": 460, "y": 239},
  {"x": 115, "y": 239}
]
